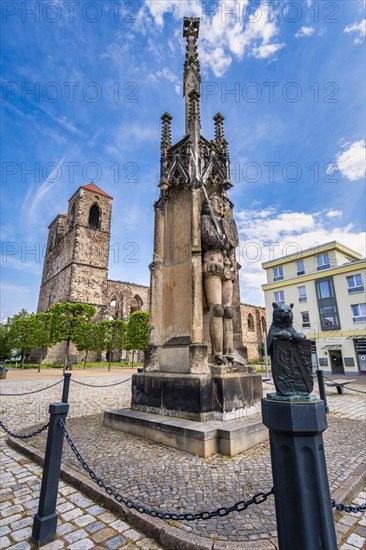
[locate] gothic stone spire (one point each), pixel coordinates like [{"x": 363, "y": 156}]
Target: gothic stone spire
[{"x": 192, "y": 73}]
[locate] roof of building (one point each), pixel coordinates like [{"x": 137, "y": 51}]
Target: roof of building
[
  {"x": 95, "y": 189},
  {"x": 56, "y": 218},
  {"x": 318, "y": 249}
]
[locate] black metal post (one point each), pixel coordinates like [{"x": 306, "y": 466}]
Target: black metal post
[
  {"x": 45, "y": 521},
  {"x": 321, "y": 385},
  {"x": 66, "y": 387},
  {"x": 302, "y": 497}
]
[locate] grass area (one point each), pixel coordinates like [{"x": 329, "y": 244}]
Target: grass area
[{"x": 100, "y": 365}]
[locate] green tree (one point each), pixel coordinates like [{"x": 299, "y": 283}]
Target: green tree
[
  {"x": 137, "y": 332},
  {"x": 113, "y": 333},
  {"x": 67, "y": 320},
  {"x": 20, "y": 335},
  {"x": 5, "y": 344},
  {"x": 40, "y": 334},
  {"x": 89, "y": 337}
]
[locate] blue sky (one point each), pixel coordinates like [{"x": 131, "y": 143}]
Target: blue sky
[{"x": 287, "y": 76}]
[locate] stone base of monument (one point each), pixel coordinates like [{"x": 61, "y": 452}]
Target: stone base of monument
[
  {"x": 198, "y": 438},
  {"x": 201, "y": 414}
]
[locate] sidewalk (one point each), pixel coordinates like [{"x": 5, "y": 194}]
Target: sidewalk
[{"x": 157, "y": 475}]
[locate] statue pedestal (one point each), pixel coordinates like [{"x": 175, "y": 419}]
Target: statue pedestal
[
  {"x": 199, "y": 397},
  {"x": 198, "y": 438},
  {"x": 201, "y": 414}
]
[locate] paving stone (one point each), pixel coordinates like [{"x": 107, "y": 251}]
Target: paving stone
[
  {"x": 22, "y": 534},
  {"x": 54, "y": 545},
  {"x": 119, "y": 526},
  {"x": 9, "y": 519},
  {"x": 84, "y": 520},
  {"x": 11, "y": 510},
  {"x": 75, "y": 535},
  {"x": 25, "y": 522},
  {"x": 4, "y": 542},
  {"x": 95, "y": 510},
  {"x": 116, "y": 542},
  {"x": 93, "y": 527},
  {"x": 4, "y": 530},
  {"x": 21, "y": 546},
  {"x": 83, "y": 544},
  {"x": 132, "y": 535},
  {"x": 107, "y": 517},
  {"x": 72, "y": 514},
  {"x": 356, "y": 540},
  {"x": 104, "y": 534},
  {"x": 65, "y": 528},
  {"x": 60, "y": 508}
]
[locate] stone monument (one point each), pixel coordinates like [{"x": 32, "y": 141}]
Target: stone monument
[{"x": 195, "y": 364}]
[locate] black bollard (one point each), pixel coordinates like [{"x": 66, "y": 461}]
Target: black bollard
[
  {"x": 321, "y": 385},
  {"x": 302, "y": 497},
  {"x": 45, "y": 521},
  {"x": 66, "y": 387}
]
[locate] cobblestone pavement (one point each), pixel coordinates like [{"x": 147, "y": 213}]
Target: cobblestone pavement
[{"x": 172, "y": 480}]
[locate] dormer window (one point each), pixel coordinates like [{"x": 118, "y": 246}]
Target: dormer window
[{"x": 94, "y": 217}]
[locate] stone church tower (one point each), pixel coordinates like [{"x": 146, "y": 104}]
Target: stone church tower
[{"x": 76, "y": 263}]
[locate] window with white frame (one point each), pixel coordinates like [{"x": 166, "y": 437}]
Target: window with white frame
[
  {"x": 300, "y": 267},
  {"x": 355, "y": 284},
  {"x": 278, "y": 273},
  {"x": 359, "y": 313},
  {"x": 279, "y": 297},
  {"x": 323, "y": 261},
  {"x": 302, "y": 294},
  {"x": 305, "y": 319}
]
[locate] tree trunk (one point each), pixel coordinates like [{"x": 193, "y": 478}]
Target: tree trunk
[
  {"x": 133, "y": 356},
  {"x": 109, "y": 360},
  {"x": 67, "y": 351},
  {"x": 86, "y": 355},
  {"x": 23, "y": 358}
]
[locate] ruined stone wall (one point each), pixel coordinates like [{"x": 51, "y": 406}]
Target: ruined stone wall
[
  {"x": 254, "y": 328},
  {"x": 129, "y": 297}
]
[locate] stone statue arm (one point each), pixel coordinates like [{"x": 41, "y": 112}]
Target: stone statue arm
[{"x": 209, "y": 233}]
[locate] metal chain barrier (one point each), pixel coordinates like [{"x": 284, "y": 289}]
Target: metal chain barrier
[
  {"x": 28, "y": 436},
  {"x": 99, "y": 385},
  {"x": 221, "y": 512},
  {"x": 30, "y": 392},
  {"x": 349, "y": 509},
  {"x": 354, "y": 389}
]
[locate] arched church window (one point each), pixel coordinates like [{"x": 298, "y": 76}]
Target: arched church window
[
  {"x": 113, "y": 303},
  {"x": 250, "y": 322},
  {"x": 135, "y": 304},
  {"x": 94, "y": 217},
  {"x": 264, "y": 326}
]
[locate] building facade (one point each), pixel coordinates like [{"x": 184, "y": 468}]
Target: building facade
[
  {"x": 253, "y": 322},
  {"x": 76, "y": 264},
  {"x": 326, "y": 286}
]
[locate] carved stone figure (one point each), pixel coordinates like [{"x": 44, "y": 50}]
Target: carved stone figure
[
  {"x": 219, "y": 239},
  {"x": 290, "y": 354}
]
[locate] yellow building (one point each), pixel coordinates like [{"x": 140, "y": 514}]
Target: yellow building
[{"x": 326, "y": 285}]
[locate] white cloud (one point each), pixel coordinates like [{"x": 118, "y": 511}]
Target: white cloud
[
  {"x": 305, "y": 32},
  {"x": 352, "y": 161},
  {"x": 226, "y": 34},
  {"x": 359, "y": 29},
  {"x": 266, "y": 234},
  {"x": 334, "y": 213},
  {"x": 33, "y": 201}
]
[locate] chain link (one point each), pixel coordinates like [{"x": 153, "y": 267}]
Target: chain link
[
  {"x": 221, "y": 512},
  {"x": 30, "y": 392},
  {"x": 99, "y": 385},
  {"x": 28, "y": 436},
  {"x": 348, "y": 508}
]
